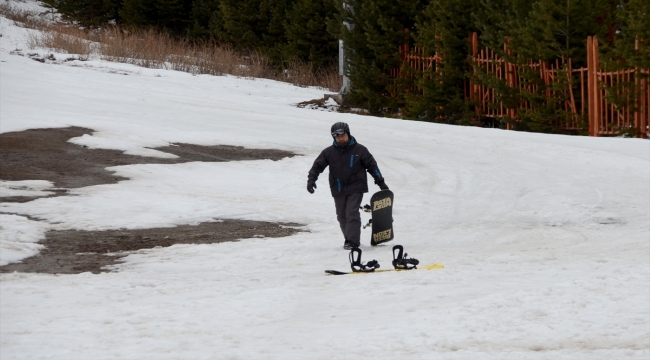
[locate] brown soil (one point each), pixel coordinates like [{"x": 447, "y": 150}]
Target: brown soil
[
  {"x": 74, "y": 252},
  {"x": 46, "y": 154}
]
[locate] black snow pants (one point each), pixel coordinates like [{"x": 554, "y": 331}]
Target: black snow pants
[{"x": 347, "y": 213}]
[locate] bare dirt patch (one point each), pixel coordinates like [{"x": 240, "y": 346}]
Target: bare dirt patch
[
  {"x": 46, "y": 154},
  {"x": 74, "y": 252},
  {"x": 218, "y": 153}
]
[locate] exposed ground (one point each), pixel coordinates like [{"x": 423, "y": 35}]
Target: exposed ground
[
  {"x": 73, "y": 251},
  {"x": 46, "y": 154}
]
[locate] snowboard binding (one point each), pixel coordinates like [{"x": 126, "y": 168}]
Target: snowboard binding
[
  {"x": 368, "y": 209},
  {"x": 400, "y": 262},
  {"x": 357, "y": 266}
]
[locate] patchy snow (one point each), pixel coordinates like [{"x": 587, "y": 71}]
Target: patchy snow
[
  {"x": 31, "y": 188},
  {"x": 19, "y": 237},
  {"x": 544, "y": 238}
]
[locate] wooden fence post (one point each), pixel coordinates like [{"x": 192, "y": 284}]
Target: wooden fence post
[
  {"x": 473, "y": 96},
  {"x": 589, "y": 84},
  {"x": 643, "y": 92},
  {"x": 594, "y": 94},
  {"x": 597, "y": 90},
  {"x": 511, "y": 79},
  {"x": 643, "y": 102}
]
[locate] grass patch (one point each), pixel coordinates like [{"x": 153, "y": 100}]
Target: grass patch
[{"x": 61, "y": 39}]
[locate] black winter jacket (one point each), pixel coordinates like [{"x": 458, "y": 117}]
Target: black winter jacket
[{"x": 348, "y": 166}]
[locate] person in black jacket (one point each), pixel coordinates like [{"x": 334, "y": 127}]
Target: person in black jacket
[{"x": 348, "y": 161}]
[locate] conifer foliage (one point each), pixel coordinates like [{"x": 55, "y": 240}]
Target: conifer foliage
[
  {"x": 88, "y": 12},
  {"x": 372, "y": 48},
  {"x": 630, "y": 50},
  {"x": 169, "y": 15},
  {"x": 632, "y": 43},
  {"x": 205, "y": 18},
  {"x": 543, "y": 30},
  {"x": 309, "y": 31},
  {"x": 442, "y": 29},
  {"x": 252, "y": 23}
]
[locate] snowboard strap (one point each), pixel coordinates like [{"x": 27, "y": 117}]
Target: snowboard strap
[
  {"x": 400, "y": 262},
  {"x": 357, "y": 266}
]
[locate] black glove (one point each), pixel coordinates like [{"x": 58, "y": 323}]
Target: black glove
[
  {"x": 382, "y": 185},
  {"x": 311, "y": 185}
]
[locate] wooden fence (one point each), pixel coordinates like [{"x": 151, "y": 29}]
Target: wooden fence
[
  {"x": 605, "y": 117},
  {"x": 586, "y": 102}
]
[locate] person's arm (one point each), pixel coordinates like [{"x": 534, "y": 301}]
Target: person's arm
[
  {"x": 319, "y": 166},
  {"x": 373, "y": 169}
]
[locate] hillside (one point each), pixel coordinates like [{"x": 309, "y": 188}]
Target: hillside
[{"x": 544, "y": 238}]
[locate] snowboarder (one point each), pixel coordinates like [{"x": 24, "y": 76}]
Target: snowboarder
[{"x": 348, "y": 162}]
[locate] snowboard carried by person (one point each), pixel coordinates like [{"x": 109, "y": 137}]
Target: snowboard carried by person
[{"x": 381, "y": 207}]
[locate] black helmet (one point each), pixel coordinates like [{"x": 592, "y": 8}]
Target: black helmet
[{"x": 340, "y": 128}]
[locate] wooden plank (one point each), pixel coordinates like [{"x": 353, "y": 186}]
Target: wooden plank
[
  {"x": 639, "y": 114},
  {"x": 625, "y": 112},
  {"x": 582, "y": 91},
  {"x": 590, "y": 87},
  {"x": 599, "y": 91}
]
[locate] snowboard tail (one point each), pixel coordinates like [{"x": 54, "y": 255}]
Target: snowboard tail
[{"x": 381, "y": 204}]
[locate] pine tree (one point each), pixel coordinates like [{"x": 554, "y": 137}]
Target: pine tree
[
  {"x": 632, "y": 42},
  {"x": 205, "y": 15},
  {"x": 372, "y": 48},
  {"x": 556, "y": 29},
  {"x": 252, "y": 24},
  {"x": 274, "y": 35},
  {"x": 88, "y": 12},
  {"x": 169, "y": 15},
  {"x": 543, "y": 30},
  {"x": 630, "y": 50},
  {"x": 174, "y": 15},
  {"x": 307, "y": 35},
  {"x": 496, "y": 20},
  {"x": 138, "y": 13},
  {"x": 443, "y": 29}
]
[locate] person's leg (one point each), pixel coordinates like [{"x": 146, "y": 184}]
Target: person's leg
[
  {"x": 353, "y": 219},
  {"x": 340, "y": 203}
]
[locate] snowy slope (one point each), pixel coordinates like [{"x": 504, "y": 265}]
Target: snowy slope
[{"x": 545, "y": 239}]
